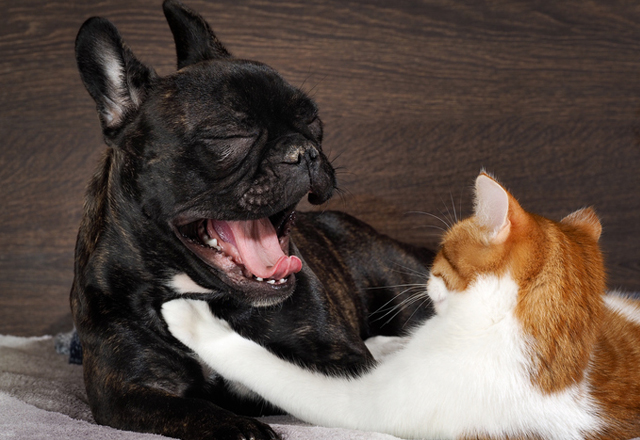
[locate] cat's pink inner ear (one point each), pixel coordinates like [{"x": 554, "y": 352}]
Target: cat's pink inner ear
[{"x": 492, "y": 208}]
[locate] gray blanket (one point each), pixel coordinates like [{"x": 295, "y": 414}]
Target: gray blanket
[{"x": 42, "y": 397}]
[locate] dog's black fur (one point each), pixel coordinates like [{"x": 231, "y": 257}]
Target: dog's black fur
[{"x": 224, "y": 139}]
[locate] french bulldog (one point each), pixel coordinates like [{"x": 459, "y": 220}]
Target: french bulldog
[{"x": 195, "y": 198}]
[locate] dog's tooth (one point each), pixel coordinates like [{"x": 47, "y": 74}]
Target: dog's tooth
[
  {"x": 259, "y": 279},
  {"x": 271, "y": 282},
  {"x": 214, "y": 244},
  {"x": 283, "y": 280}
]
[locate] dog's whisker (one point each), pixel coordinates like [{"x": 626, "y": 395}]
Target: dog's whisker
[
  {"x": 342, "y": 194},
  {"x": 335, "y": 158},
  {"x": 304, "y": 81},
  {"x": 343, "y": 171},
  {"x": 317, "y": 84}
]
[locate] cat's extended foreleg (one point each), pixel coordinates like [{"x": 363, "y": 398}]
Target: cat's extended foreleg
[
  {"x": 308, "y": 395},
  {"x": 384, "y": 346}
]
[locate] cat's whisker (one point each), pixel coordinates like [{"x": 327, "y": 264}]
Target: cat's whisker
[
  {"x": 408, "y": 291},
  {"x": 460, "y": 202},
  {"x": 409, "y": 288},
  {"x": 453, "y": 205},
  {"x": 398, "y": 307},
  {"x": 431, "y": 215},
  {"x": 402, "y": 306},
  {"x": 390, "y": 307},
  {"x": 410, "y": 271},
  {"x": 429, "y": 226},
  {"x": 425, "y": 300},
  {"x": 384, "y": 307},
  {"x": 396, "y": 285},
  {"x": 448, "y": 214}
]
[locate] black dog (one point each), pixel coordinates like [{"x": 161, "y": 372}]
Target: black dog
[{"x": 195, "y": 197}]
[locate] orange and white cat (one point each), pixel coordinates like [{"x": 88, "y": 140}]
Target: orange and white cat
[{"x": 524, "y": 344}]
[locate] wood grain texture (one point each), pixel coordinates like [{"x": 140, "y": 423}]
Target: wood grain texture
[{"x": 416, "y": 97}]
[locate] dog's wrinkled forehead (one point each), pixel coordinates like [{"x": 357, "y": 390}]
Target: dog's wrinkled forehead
[{"x": 233, "y": 95}]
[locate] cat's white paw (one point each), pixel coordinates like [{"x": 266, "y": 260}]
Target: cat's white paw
[
  {"x": 179, "y": 315},
  {"x": 383, "y": 346},
  {"x": 191, "y": 321}
]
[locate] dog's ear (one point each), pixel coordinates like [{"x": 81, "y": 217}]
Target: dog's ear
[
  {"x": 114, "y": 78},
  {"x": 195, "y": 41}
]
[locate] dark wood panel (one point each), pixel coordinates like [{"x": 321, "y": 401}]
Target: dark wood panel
[{"x": 416, "y": 97}]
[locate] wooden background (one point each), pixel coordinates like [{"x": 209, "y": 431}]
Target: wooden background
[{"x": 416, "y": 97}]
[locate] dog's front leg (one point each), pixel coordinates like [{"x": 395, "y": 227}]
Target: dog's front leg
[{"x": 160, "y": 390}]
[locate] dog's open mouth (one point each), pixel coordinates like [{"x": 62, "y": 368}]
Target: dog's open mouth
[{"x": 254, "y": 251}]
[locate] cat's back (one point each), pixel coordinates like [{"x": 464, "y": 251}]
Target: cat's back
[{"x": 615, "y": 367}]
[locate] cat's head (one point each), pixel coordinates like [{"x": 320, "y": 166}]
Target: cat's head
[{"x": 501, "y": 239}]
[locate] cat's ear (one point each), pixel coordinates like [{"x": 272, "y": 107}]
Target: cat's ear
[
  {"x": 492, "y": 208},
  {"x": 195, "y": 41},
  {"x": 585, "y": 219},
  {"x": 113, "y": 76}
]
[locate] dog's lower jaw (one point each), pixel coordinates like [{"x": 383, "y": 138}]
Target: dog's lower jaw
[
  {"x": 184, "y": 285},
  {"x": 223, "y": 246},
  {"x": 273, "y": 301}
]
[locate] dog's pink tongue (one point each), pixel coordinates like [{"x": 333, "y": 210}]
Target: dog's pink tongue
[{"x": 258, "y": 246}]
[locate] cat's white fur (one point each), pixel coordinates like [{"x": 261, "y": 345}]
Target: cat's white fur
[{"x": 465, "y": 371}]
